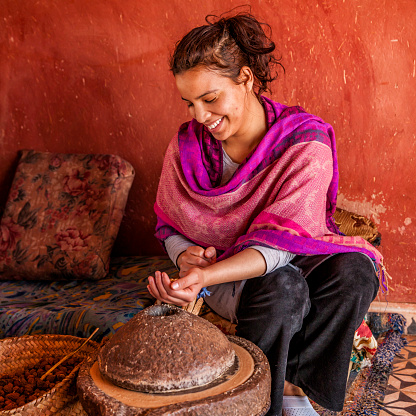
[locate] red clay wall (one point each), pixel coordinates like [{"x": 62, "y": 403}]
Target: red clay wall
[{"x": 92, "y": 76}]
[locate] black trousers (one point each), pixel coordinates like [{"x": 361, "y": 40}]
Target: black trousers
[{"x": 306, "y": 326}]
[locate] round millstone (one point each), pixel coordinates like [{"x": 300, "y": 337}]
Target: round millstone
[{"x": 166, "y": 349}]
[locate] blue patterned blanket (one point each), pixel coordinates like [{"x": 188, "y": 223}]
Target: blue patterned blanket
[{"x": 79, "y": 307}]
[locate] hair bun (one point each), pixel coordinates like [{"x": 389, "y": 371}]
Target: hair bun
[{"x": 227, "y": 44}]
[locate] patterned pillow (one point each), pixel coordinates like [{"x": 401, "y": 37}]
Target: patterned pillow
[{"x": 62, "y": 216}]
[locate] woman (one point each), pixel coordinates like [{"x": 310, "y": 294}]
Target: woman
[{"x": 244, "y": 207}]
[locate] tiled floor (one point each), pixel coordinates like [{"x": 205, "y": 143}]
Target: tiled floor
[{"x": 400, "y": 399}]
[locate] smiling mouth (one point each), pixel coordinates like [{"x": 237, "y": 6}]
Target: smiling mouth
[{"x": 215, "y": 124}]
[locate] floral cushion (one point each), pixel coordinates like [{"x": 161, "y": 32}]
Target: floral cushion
[{"x": 62, "y": 216}]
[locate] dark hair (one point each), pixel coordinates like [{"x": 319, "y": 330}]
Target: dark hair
[{"x": 226, "y": 44}]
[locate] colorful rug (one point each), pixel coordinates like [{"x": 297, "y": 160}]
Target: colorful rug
[{"x": 366, "y": 389}]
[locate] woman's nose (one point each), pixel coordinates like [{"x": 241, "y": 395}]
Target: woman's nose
[{"x": 201, "y": 114}]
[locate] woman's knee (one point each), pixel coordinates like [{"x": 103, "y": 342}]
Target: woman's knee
[
  {"x": 278, "y": 301},
  {"x": 352, "y": 271},
  {"x": 284, "y": 288}
]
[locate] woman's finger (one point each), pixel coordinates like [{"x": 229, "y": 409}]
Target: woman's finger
[
  {"x": 160, "y": 288},
  {"x": 177, "y": 294},
  {"x": 211, "y": 254},
  {"x": 196, "y": 251},
  {"x": 184, "y": 282},
  {"x": 151, "y": 291},
  {"x": 160, "y": 281},
  {"x": 190, "y": 261},
  {"x": 153, "y": 287},
  {"x": 183, "y": 297},
  {"x": 166, "y": 293}
]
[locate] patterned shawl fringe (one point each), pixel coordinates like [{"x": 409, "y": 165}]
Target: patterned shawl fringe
[
  {"x": 366, "y": 394},
  {"x": 383, "y": 276}
]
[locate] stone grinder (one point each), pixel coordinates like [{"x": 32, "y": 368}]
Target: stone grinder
[{"x": 166, "y": 361}]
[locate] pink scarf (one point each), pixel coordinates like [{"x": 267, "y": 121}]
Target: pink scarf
[{"x": 282, "y": 196}]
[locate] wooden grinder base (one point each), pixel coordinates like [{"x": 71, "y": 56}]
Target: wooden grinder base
[{"x": 244, "y": 393}]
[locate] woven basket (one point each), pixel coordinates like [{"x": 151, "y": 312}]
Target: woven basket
[{"x": 19, "y": 353}]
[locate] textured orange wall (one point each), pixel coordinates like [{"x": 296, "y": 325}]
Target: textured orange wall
[{"x": 92, "y": 76}]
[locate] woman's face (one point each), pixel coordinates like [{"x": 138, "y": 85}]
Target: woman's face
[{"x": 216, "y": 101}]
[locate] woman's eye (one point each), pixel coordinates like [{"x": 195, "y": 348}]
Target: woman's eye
[
  {"x": 211, "y": 101},
  {"x": 189, "y": 104}
]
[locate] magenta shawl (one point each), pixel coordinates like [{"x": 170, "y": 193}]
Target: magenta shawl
[{"x": 282, "y": 196}]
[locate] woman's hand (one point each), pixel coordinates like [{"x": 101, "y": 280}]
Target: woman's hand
[
  {"x": 196, "y": 256},
  {"x": 179, "y": 292},
  {"x": 184, "y": 290},
  {"x": 246, "y": 264}
]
